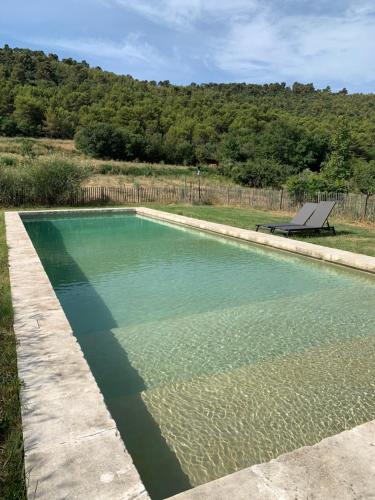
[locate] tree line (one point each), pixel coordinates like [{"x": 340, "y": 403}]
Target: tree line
[{"x": 260, "y": 135}]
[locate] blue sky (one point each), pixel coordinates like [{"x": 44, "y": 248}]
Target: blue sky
[{"x": 327, "y": 42}]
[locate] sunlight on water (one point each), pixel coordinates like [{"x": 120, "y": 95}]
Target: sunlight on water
[{"x": 212, "y": 355}]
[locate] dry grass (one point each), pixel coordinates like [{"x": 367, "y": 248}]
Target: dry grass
[
  {"x": 128, "y": 181},
  {"x": 112, "y": 173}
]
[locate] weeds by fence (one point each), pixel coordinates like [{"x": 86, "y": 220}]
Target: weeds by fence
[{"x": 349, "y": 206}]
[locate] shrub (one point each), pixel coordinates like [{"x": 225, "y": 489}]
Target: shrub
[
  {"x": 102, "y": 141},
  {"x": 27, "y": 148},
  {"x": 364, "y": 176},
  {"x": 14, "y": 183},
  {"x": 311, "y": 183},
  {"x": 110, "y": 169},
  {"x": 8, "y": 161},
  {"x": 55, "y": 181},
  {"x": 51, "y": 182},
  {"x": 257, "y": 173}
]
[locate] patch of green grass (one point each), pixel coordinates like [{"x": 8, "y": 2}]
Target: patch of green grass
[
  {"x": 350, "y": 237},
  {"x": 12, "y": 482}
]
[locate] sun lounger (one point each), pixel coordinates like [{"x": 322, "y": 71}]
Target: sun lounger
[
  {"x": 299, "y": 219},
  {"x": 316, "y": 223}
]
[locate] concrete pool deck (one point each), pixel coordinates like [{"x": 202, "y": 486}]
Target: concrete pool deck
[{"x": 72, "y": 446}]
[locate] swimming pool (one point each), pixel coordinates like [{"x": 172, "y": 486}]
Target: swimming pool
[{"x": 212, "y": 355}]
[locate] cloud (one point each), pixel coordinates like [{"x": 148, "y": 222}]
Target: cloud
[
  {"x": 329, "y": 43},
  {"x": 183, "y": 14},
  {"x": 133, "y": 48},
  {"x": 304, "y": 47}
]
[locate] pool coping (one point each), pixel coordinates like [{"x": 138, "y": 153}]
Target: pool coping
[
  {"x": 89, "y": 459},
  {"x": 71, "y": 443}
]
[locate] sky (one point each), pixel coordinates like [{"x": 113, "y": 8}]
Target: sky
[{"x": 327, "y": 42}]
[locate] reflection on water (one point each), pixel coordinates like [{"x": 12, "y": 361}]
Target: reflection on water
[{"x": 212, "y": 355}]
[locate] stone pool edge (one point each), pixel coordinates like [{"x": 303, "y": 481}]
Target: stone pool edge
[{"x": 71, "y": 443}]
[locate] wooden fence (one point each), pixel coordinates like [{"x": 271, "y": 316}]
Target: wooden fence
[{"x": 349, "y": 206}]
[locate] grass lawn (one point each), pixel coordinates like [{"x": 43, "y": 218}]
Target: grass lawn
[
  {"x": 12, "y": 484},
  {"x": 352, "y": 237}
]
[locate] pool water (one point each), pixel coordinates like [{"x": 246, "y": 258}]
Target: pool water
[{"x": 212, "y": 355}]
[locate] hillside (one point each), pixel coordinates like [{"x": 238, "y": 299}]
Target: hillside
[{"x": 285, "y": 130}]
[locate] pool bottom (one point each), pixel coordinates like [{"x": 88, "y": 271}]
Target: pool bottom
[{"x": 257, "y": 413}]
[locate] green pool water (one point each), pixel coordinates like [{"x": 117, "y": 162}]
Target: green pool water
[{"x": 212, "y": 355}]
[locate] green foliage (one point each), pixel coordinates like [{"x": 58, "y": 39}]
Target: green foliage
[
  {"x": 257, "y": 173},
  {"x": 51, "y": 182},
  {"x": 291, "y": 145},
  {"x": 7, "y": 161},
  {"x": 55, "y": 181},
  {"x": 118, "y": 117},
  {"x": 28, "y": 115},
  {"x": 231, "y": 149},
  {"x": 13, "y": 182},
  {"x": 364, "y": 176},
  {"x": 338, "y": 165},
  {"x": 27, "y": 148},
  {"x": 313, "y": 182},
  {"x": 59, "y": 123},
  {"x": 102, "y": 140}
]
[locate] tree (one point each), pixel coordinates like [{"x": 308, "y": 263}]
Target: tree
[
  {"x": 28, "y": 115},
  {"x": 59, "y": 123},
  {"x": 258, "y": 173},
  {"x": 102, "y": 140},
  {"x": 302, "y": 88},
  {"x": 306, "y": 182},
  {"x": 338, "y": 165},
  {"x": 364, "y": 179},
  {"x": 291, "y": 145},
  {"x": 230, "y": 149},
  {"x": 292, "y": 126}
]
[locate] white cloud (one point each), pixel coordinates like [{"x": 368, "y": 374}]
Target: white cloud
[
  {"x": 132, "y": 48},
  {"x": 307, "y": 48},
  {"x": 241, "y": 40},
  {"x": 182, "y": 14}
]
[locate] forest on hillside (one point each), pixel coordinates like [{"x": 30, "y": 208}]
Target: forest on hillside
[{"x": 260, "y": 135}]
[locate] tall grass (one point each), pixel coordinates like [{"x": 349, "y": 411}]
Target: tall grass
[
  {"x": 50, "y": 181},
  {"x": 12, "y": 482}
]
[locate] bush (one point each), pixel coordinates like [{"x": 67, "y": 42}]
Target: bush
[
  {"x": 51, "y": 182},
  {"x": 257, "y": 173},
  {"x": 311, "y": 183},
  {"x": 55, "y": 181},
  {"x": 14, "y": 183},
  {"x": 8, "y": 161},
  {"x": 27, "y": 148},
  {"x": 110, "y": 169},
  {"x": 364, "y": 176},
  {"x": 102, "y": 141}
]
